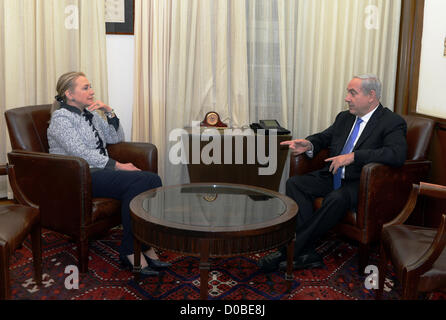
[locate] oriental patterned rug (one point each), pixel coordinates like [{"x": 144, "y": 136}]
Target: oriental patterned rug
[{"x": 236, "y": 278}]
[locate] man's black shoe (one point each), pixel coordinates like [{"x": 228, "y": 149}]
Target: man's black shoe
[
  {"x": 270, "y": 263},
  {"x": 310, "y": 260}
]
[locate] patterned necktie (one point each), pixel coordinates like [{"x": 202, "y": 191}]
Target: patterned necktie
[{"x": 348, "y": 147}]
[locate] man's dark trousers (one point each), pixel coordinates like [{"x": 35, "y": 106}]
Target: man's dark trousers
[{"x": 311, "y": 225}]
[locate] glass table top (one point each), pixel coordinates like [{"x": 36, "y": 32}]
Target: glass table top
[{"x": 211, "y": 205}]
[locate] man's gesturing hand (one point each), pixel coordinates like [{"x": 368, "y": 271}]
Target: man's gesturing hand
[
  {"x": 340, "y": 161},
  {"x": 298, "y": 146}
]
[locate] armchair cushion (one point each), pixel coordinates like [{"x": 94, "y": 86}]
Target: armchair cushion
[
  {"x": 383, "y": 193},
  {"x": 408, "y": 243},
  {"x": 63, "y": 188},
  {"x": 143, "y": 155},
  {"x": 418, "y": 136},
  {"x": 61, "y": 185},
  {"x": 104, "y": 208},
  {"x": 29, "y": 125},
  {"x": 383, "y": 189},
  {"x": 16, "y": 222},
  {"x": 417, "y": 253}
]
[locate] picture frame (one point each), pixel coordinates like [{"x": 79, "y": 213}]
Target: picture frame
[{"x": 122, "y": 18}]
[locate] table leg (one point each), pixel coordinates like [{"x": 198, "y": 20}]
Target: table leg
[
  {"x": 137, "y": 258},
  {"x": 204, "y": 269},
  {"x": 289, "y": 266}
]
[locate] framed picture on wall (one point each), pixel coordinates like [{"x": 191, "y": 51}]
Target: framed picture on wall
[{"x": 119, "y": 16}]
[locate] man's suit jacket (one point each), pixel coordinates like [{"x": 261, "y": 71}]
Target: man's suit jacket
[{"x": 383, "y": 140}]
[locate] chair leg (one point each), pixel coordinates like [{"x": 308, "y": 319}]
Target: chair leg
[
  {"x": 410, "y": 288},
  {"x": 363, "y": 257},
  {"x": 83, "y": 255},
  {"x": 36, "y": 241},
  {"x": 5, "y": 290},
  {"x": 382, "y": 268}
]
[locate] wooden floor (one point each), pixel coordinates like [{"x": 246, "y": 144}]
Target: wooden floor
[{"x": 6, "y": 201}]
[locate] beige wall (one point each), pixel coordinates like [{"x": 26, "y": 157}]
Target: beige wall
[
  {"x": 120, "y": 64},
  {"x": 431, "y": 97}
]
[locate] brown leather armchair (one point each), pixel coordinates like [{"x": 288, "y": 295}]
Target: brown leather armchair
[
  {"x": 17, "y": 221},
  {"x": 383, "y": 190},
  {"x": 61, "y": 185},
  {"x": 417, "y": 253}
]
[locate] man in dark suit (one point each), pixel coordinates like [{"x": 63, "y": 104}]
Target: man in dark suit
[{"x": 366, "y": 133}]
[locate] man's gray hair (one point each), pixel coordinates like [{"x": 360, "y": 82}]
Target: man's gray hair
[{"x": 370, "y": 82}]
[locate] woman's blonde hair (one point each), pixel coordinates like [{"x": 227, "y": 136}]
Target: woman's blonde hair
[{"x": 65, "y": 82}]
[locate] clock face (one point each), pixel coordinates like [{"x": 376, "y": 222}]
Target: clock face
[
  {"x": 210, "y": 197},
  {"x": 212, "y": 118}
]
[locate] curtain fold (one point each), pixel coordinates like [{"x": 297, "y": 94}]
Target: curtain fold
[
  {"x": 255, "y": 59},
  {"x": 264, "y": 63},
  {"x": 39, "y": 41},
  {"x": 152, "y": 55},
  {"x": 335, "y": 40},
  {"x": 190, "y": 81},
  {"x": 3, "y": 138}
]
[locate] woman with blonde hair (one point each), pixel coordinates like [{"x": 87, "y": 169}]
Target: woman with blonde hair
[{"x": 77, "y": 129}]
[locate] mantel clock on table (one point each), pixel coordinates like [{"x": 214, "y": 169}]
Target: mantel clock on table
[{"x": 212, "y": 119}]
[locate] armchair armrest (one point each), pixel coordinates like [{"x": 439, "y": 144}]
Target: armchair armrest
[
  {"x": 425, "y": 262},
  {"x": 142, "y": 155},
  {"x": 301, "y": 164},
  {"x": 59, "y": 185},
  {"x": 384, "y": 191},
  {"x": 408, "y": 208},
  {"x": 426, "y": 189},
  {"x": 18, "y": 194}
]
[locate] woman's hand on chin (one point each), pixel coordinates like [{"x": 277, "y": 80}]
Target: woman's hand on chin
[{"x": 99, "y": 105}]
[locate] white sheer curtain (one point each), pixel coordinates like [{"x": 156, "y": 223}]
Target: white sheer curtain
[
  {"x": 185, "y": 54},
  {"x": 264, "y": 63},
  {"x": 255, "y": 59},
  {"x": 334, "y": 40},
  {"x": 39, "y": 41}
]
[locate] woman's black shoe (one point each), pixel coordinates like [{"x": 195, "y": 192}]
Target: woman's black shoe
[
  {"x": 147, "y": 271},
  {"x": 156, "y": 263}
]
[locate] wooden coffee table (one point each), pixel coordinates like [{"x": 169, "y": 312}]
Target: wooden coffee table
[{"x": 214, "y": 220}]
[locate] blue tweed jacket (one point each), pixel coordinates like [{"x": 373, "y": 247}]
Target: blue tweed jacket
[{"x": 83, "y": 134}]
